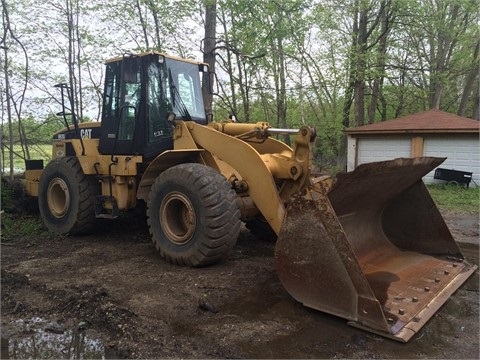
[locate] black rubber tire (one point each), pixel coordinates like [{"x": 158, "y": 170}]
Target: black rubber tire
[
  {"x": 193, "y": 215},
  {"x": 66, "y": 197},
  {"x": 452, "y": 183},
  {"x": 261, "y": 229}
]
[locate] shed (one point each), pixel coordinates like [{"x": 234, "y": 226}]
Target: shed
[{"x": 429, "y": 133}]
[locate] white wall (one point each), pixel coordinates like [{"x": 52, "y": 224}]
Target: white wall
[
  {"x": 462, "y": 152},
  {"x": 380, "y": 148}
]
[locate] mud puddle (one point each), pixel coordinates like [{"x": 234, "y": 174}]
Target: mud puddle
[{"x": 37, "y": 338}]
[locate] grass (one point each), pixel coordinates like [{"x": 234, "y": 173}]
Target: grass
[
  {"x": 43, "y": 151},
  {"x": 19, "y": 217},
  {"x": 14, "y": 225},
  {"x": 458, "y": 199}
]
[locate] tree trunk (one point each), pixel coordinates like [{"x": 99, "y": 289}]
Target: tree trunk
[
  {"x": 440, "y": 60},
  {"x": 385, "y": 18},
  {"x": 143, "y": 24},
  {"x": 79, "y": 63},
  {"x": 471, "y": 79},
  {"x": 9, "y": 111},
  {"x": 153, "y": 9},
  {"x": 209, "y": 55},
  {"x": 71, "y": 59},
  {"x": 282, "y": 91},
  {"x": 230, "y": 101},
  {"x": 359, "y": 84},
  {"x": 476, "y": 102},
  {"x": 242, "y": 86}
]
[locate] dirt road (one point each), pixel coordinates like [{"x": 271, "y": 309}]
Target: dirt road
[{"x": 109, "y": 295}]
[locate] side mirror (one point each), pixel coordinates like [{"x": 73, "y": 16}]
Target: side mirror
[
  {"x": 212, "y": 82},
  {"x": 203, "y": 68},
  {"x": 171, "y": 117}
]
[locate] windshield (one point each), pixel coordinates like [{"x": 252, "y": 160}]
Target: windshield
[{"x": 185, "y": 93}]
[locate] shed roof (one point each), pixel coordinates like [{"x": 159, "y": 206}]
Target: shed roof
[{"x": 431, "y": 121}]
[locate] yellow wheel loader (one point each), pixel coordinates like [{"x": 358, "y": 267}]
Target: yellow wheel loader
[{"x": 369, "y": 246}]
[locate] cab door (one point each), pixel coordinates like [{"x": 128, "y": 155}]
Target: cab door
[
  {"x": 121, "y": 106},
  {"x": 158, "y": 131}
]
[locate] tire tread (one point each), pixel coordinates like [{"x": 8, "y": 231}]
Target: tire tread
[{"x": 220, "y": 220}]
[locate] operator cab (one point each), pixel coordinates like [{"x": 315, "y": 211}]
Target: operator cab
[{"x": 142, "y": 96}]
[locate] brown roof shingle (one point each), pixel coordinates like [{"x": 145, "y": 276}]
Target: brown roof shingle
[{"x": 431, "y": 121}]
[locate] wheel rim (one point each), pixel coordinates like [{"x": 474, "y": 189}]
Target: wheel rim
[
  {"x": 177, "y": 218},
  {"x": 58, "y": 197}
]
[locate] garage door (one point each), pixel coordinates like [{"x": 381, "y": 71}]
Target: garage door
[
  {"x": 384, "y": 148},
  {"x": 462, "y": 153}
]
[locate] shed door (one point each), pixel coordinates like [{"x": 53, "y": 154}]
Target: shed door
[
  {"x": 462, "y": 153},
  {"x": 373, "y": 149}
]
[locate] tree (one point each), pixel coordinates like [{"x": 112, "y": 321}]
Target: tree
[
  {"x": 209, "y": 53},
  {"x": 437, "y": 37},
  {"x": 324, "y": 63},
  {"x": 471, "y": 87},
  {"x": 9, "y": 38},
  {"x": 372, "y": 22}
]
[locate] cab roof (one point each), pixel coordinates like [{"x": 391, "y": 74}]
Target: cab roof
[{"x": 146, "y": 53}]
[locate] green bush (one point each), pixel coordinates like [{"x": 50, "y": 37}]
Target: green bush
[{"x": 6, "y": 191}]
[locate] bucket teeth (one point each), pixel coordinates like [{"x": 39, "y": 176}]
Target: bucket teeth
[{"x": 372, "y": 248}]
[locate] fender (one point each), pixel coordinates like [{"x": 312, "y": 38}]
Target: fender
[{"x": 163, "y": 162}]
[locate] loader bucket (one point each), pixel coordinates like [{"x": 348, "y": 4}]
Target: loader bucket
[{"x": 373, "y": 249}]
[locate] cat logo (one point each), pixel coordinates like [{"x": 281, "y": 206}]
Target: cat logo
[{"x": 86, "y": 133}]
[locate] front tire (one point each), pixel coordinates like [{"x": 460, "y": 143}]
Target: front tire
[
  {"x": 193, "y": 215},
  {"x": 66, "y": 197}
]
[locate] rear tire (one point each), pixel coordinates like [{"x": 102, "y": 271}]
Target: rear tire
[
  {"x": 66, "y": 197},
  {"x": 193, "y": 215}
]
